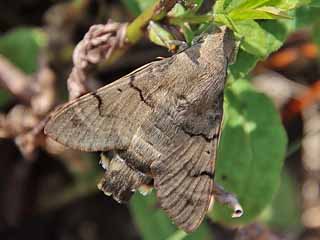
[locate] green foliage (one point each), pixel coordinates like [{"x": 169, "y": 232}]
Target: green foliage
[
  {"x": 261, "y": 40},
  {"x": 314, "y": 3},
  {"x": 241, "y": 15},
  {"x": 255, "y": 9},
  {"x": 159, "y": 35},
  {"x": 21, "y": 47},
  {"x": 4, "y": 97},
  {"x": 137, "y": 6},
  {"x": 283, "y": 212},
  {"x": 251, "y": 151},
  {"x": 316, "y": 34},
  {"x": 307, "y": 16}
]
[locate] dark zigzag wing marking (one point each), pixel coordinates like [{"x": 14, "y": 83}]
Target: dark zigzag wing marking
[
  {"x": 191, "y": 223},
  {"x": 177, "y": 204},
  {"x": 176, "y": 165},
  {"x": 207, "y": 184},
  {"x": 78, "y": 121},
  {"x": 175, "y": 199},
  {"x": 198, "y": 210},
  {"x": 177, "y": 181},
  {"x": 195, "y": 204},
  {"x": 188, "y": 200},
  {"x": 171, "y": 179},
  {"x": 179, "y": 200},
  {"x": 74, "y": 121},
  {"x": 207, "y": 191}
]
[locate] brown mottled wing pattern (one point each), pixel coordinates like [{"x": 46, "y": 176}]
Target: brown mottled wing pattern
[
  {"x": 183, "y": 192},
  {"x": 184, "y": 177},
  {"x": 95, "y": 121}
]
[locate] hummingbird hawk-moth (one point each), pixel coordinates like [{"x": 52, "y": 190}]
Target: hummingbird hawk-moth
[{"x": 159, "y": 126}]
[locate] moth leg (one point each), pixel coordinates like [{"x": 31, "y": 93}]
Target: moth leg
[
  {"x": 120, "y": 180},
  {"x": 227, "y": 198}
]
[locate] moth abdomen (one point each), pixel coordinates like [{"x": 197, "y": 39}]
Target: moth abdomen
[{"x": 120, "y": 179}]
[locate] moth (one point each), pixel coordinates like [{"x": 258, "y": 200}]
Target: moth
[{"x": 159, "y": 126}]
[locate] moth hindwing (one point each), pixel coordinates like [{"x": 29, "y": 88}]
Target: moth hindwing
[{"x": 159, "y": 126}]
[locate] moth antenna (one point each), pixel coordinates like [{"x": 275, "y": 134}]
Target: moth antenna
[{"x": 229, "y": 199}]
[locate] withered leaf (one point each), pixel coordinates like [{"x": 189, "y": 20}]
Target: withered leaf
[{"x": 160, "y": 125}]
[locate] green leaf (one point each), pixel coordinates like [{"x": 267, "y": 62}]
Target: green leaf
[
  {"x": 316, "y": 34},
  {"x": 276, "y": 12},
  {"x": 22, "y": 46},
  {"x": 244, "y": 64},
  {"x": 154, "y": 224},
  {"x": 260, "y": 9},
  {"x": 315, "y": 3},
  {"x": 237, "y": 5},
  {"x": 246, "y": 4},
  {"x": 247, "y": 58},
  {"x": 306, "y": 16},
  {"x": 251, "y": 152},
  {"x": 177, "y": 11},
  {"x": 255, "y": 46},
  {"x": 257, "y": 38},
  {"x": 259, "y": 13},
  {"x": 4, "y": 97},
  {"x": 137, "y": 6},
  {"x": 159, "y": 35},
  {"x": 284, "y": 211},
  {"x": 219, "y": 7},
  {"x": 187, "y": 32}
]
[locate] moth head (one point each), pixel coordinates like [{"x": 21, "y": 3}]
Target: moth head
[
  {"x": 222, "y": 38},
  {"x": 228, "y": 44}
]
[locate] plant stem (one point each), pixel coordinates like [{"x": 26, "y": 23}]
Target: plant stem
[
  {"x": 155, "y": 12},
  {"x": 191, "y": 19},
  {"x": 135, "y": 29}
]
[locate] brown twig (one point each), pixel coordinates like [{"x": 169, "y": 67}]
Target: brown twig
[
  {"x": 23, "y": 122},
  {"x": 15, "y": 81}
]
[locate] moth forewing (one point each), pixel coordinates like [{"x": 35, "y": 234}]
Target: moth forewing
[{"x": 161, "y": 124}]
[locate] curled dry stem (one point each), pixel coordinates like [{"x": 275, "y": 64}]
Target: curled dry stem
[{"x": 97, "y": 45}]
